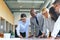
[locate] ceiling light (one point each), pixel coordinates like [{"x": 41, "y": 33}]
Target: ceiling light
[
  {"x": 20, "y": 6},
  {"x": 23, "y": 10},
  {"x": 30, "y": 1}
]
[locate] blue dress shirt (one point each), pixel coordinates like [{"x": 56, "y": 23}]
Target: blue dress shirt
[{"x": 23, "y": 27}]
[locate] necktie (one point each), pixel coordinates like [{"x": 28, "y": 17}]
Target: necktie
[{"x": 37, "y": 20}]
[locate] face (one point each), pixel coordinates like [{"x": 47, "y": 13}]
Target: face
[
  {"x": 32, "y": 13},
  {"x": 23, "y": 19},
  {"x": 57, "y": 8},
  {"x": 45, "y": 13}
]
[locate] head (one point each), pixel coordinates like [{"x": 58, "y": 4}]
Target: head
[
  {"x": 23, "y": 17},
  {"x": 57, "y": 6},
  {"x": 45, "y": 12},
  {"x": 32, "y": 12},
  {"x": 53, "y": 14}
]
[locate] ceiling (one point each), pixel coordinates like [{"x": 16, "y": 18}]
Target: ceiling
[{"x": 25, "y": 5}]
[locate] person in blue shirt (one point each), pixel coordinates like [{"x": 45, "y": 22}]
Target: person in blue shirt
[{"x": 22, "y": 28}]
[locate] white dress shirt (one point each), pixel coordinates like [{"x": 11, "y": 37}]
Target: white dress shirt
[
  {"x": 56, "y": 28},
  {"x": 23, "y": 27},
  {"x": 48, "y": 24}
]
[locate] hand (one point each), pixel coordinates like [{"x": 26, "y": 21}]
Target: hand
[
  {"x": 20, "y": 36},
  {"x": 30, "y": 36},
  {"x": 41, "y": 36},
  {"x": 51, "y": 38}
]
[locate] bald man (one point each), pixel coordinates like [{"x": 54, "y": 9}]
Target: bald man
[
  {"x": 36, "y": 21},
  {"x": 57, "y": 22}
]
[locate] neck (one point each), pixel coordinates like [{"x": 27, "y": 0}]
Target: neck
[{"x": 34, "y": 15}]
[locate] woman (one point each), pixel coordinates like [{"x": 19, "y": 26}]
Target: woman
[{"x": 48, "y": 23}]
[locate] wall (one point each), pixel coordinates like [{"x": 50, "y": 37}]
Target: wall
[{"x": 5, "y": 13}]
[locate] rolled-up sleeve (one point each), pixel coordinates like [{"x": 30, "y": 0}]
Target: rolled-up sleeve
[
  {"x": 18, "y": 30},
  {"x": 27, "y": 28},
  {"x": 27, "y": 33},
  {"x": 56, "y": 28}
]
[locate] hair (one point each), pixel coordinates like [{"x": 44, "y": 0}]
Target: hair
[
  {"x": 23, "y": 15},
  {"x": 31, "y": 9},
  {"x": 45, "y": 9},
  {"x": 56, "y": 1},
  {"x": 52, "y": 11}
]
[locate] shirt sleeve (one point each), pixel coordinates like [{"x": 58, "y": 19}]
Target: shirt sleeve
[
  {"x": 41, "y": 21},
  {"x": 27, "y": 33},
  {"x": 18, "y": 29},
  {"x": 27, "y": 28},
  {"x": 32, "y": 27},
  {"x": 44, "y": 27},
  {"x": 56, "y": 28}
]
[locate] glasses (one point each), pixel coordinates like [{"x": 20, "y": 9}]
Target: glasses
[{"x": 44, "y": 13}]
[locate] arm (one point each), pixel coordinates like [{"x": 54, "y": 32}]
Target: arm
[
  {"x": 42, "y": 25},
  {"x": 27, "y": 33},
  {"x": 27, "y": 28},
  {"x": 18, "y": 31},
  {"x": 56, "y": 28},
  {"x": 32, "y": 27},
  {"x": 44, "y": 28}
]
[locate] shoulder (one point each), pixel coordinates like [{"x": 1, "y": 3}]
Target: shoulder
[
  {"x": 39, "y": 15},
  {"x": 28, "y": 19},
  {"x": 58, "y": 19},
  {"x": 31, "y": 18},
  {"x": 19, "y": 22}
]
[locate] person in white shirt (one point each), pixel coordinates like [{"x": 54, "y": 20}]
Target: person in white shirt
[
  {"x": 48, "y": 22},
  {"x": 57, "y": 23},
  {"x": 22, "y": 28},
  {"x": 56, "y": 28}
]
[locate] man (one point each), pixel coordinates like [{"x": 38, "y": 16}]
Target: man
[
  {"x": 56, "y": 18},
  {"x": 22, "y": 28},
  {"x": 48, "y": 22},
  {"x": 36, "y": 23}
]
